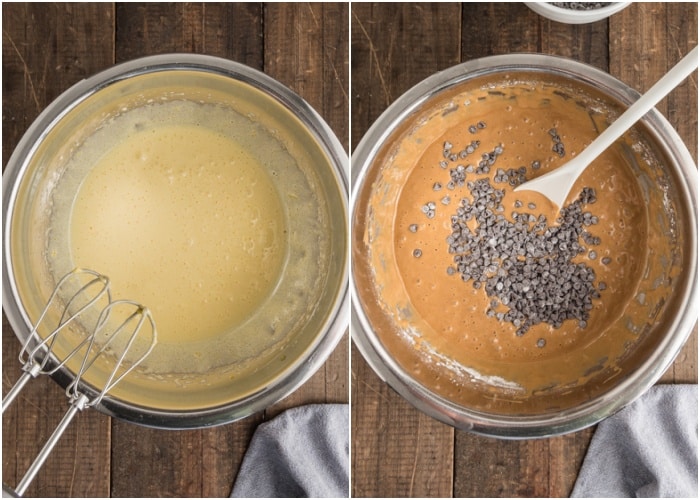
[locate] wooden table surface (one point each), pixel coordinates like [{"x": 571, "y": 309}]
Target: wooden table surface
[
  {"x": 46, "y": 49},
  {"x": 397, "y": 451}
]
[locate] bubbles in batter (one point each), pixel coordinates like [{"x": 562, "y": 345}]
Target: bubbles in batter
[
  {"x": 503, "y": 272},
  {"x": 186, "y": 221},
  {"x": 206, "y": 217}
]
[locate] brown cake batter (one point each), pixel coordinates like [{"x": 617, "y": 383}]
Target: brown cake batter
[{"x": 534, "y": 125}]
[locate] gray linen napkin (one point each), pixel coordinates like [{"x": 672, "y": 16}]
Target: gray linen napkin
[
  {"x": 648, "y": 449},
  {"x": 303, "y": 452}
]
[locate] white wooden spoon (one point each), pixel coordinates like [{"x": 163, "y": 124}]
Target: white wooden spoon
[{"x": 556, "y": 184}]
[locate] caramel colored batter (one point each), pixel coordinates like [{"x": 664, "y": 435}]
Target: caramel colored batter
[
  {"x": 435, "y": 324},
  {"x": 462, "y": 308}
]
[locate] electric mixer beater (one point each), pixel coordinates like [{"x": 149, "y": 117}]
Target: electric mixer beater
[{"x": 120, "y": 326}]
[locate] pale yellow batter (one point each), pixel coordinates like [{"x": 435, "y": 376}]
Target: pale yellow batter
[
  {"x": 185, "y": 221},
  {"x": 210, "y": 219},
  {"x": 207, "y": 202}
]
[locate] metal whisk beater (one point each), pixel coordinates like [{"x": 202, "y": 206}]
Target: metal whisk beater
[{"x": 108, "y": 341}]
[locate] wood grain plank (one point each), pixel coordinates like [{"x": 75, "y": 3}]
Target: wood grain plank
[
  {"x": 566, "y": 454},
  {"x": 684, "y": 369},
  {"x": 652, "y": 38},
  {"x": 231, "y": 30},
  {"x": 487, "y": 467},
  {"x": 637, "y": 54},
  {"x": 157, "y": 28},
  {"x": 397, "y": 451},
  {"x": 46, "y": 49},
  {"x": 294, "y": 48},
  {"x": 337, "y": 373},
  {"x": 395, "y": 46},
  {"x": 306, "y": 49},
  {"x": 205, "y": 462},
  {"x": 682, "y": 103},
  {"x": 587, "y": 43},
  {"x": 192, "y": 463},
  {"x": 506, "y": 28},
  {"x": 198, "y": 462},
  {"x": 44, "y": 53},
  {"x": 336, "y": 75},
  {"x": 492, "y": 28},
  {"x": 234, "y": 31}
]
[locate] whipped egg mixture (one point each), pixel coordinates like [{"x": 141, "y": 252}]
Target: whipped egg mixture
[
  {"x": 185, "y": 220},
  {"x": 208, "y": 217}
]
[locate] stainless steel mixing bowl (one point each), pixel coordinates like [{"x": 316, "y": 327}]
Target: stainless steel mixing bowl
[
  {"x": 453, "y": 395},
  {"x": 185, "y": 398}
]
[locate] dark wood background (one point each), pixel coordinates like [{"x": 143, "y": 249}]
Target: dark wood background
[
  {"x": 397, "y": 451},
  {"x": 46, "y": 48}
]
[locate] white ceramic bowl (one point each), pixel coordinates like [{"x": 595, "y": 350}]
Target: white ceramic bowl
[{"x": 574, "y": 16}]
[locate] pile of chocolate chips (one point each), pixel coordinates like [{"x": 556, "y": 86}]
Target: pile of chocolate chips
[
  {"x": 581, "y": 5},
  {"x": 522, "y": 262},
  {"x": 525, "y": 264}
]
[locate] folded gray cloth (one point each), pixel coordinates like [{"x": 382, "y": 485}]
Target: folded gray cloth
[
  {"x": 303, "y": 452},
  {"x": 648, "y": 449}
]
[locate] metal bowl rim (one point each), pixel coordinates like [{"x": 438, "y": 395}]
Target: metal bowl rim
[
  {"x": 517, "y": 427},
  {"x": 338, "y": 318}
]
